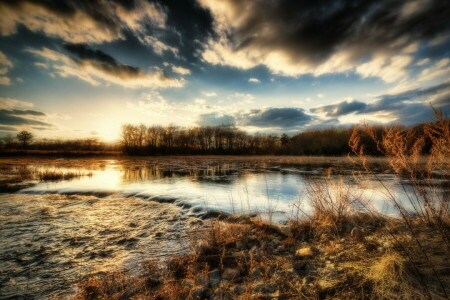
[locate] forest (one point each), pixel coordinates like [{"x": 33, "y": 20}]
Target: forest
[{"x": 229, "y": 140}]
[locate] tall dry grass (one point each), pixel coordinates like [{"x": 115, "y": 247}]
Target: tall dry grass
[{"x": 426, "y": 204}]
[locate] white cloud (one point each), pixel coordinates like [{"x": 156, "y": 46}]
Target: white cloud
[
  {"x": 255, "y": 80},
  {"x": 181, "y": 70},
  {"x": 209, "y": 94},
  {"x": 158, "y": 46},
  {"x": 94, "y": 72},
  {"x": 320, "y": 95},
  {"x": 200, "y": 101},
  {"x": 9, "y": 103},
  {"x": 423, "y": 62},
  {"x": 388, "y": 68}
]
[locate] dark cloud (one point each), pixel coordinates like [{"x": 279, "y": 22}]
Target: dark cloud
[
  {"x": 342, "y": 108},
  {"x": 7, "y": 128},
  {"x": 40, "y": 128},
  {"x": 215, "y": 119},
  {"x": 410, "y": 107},
  {"x": 275, "y": 117},
  {"x": 80, "y": 21},
  {"x": 93, "y": 65},
  {"x": 15, "y": 117},
  {"x": 102, "y": 61},
  {"x": 19, "y": 112},
  {"x": 285, "y": 118},
  {"x": 308, "y": 33},
  {"x": 192, "y": 24}
]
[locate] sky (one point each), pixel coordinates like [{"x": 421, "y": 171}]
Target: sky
[{"x": 82, "y": 68}]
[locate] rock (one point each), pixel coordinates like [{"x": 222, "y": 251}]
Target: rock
[
  {"x": 230, "y": 274},
  {"x": 214, "y": 278},
  {"x": 303, "y": 253}
]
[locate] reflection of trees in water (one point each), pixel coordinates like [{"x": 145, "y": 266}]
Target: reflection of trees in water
[{"x": 212, "y": 173}]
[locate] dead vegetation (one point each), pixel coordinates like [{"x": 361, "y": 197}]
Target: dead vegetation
[{"x": 15, "y": 177}]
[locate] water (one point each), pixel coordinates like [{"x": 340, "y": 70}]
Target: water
[{"x": 129, "y": 211}]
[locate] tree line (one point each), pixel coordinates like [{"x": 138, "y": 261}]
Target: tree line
[
  {"x": 167, "y": 140},
  {"x": 25, "y": 140},
  {"x": 215, "y": 140},
  {"x": 226, "y": 139}
]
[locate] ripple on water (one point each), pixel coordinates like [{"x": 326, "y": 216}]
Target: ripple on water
[{"x": 51, "y": 241}]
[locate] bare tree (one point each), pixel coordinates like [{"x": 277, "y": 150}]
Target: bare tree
[{"x": 25, "y": 138}]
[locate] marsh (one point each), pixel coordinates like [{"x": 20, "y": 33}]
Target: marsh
[{"x": 119, "y": 212}]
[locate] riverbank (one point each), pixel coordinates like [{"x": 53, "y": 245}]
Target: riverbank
[{"x": 357, "y": 257}]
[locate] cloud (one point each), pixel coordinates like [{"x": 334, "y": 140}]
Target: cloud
[
  {"x": 389, "y": 68},
  {"x": 5, "y": 80},
  {"x": 81, "y": 21},
  {"x": 181, "y": 70},
  {"x": 158, "y": 46},
  {"x": 200, "y": 101},
  {"x": 410, "y": 107},
  {"x": 340, "y": 109},
  {"x": 4, "y": 61},
  {"x": 9, "y": 103},
  {"x": 5, "y": 65},
  {"x": 21, "y": 117},
  {"x": 93, "y": 65},
  {"x": 215, "y": 119},
  {"x": 275, "y": 117},
  {"x": 209, "y": 94},
  {"x": 255, "y": 80},
  {"x": 7, "y": 128},
  {"x": 306, "y": 37}
]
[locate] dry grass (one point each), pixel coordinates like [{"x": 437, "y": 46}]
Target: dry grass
[{"x": 54, "y": 175}]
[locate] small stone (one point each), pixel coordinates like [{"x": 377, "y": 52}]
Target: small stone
[{"x": 304, "y": 252}]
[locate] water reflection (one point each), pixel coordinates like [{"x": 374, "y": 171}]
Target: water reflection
[{"x": 244, "y": 187}]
